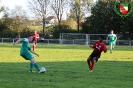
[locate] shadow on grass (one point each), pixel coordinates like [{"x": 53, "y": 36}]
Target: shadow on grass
[{"x": 73, "y": 74}]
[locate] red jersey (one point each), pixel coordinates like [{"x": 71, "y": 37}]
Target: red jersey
[
  {"x": 36, "y": 36},
  {"x": 99, "y": 47}
]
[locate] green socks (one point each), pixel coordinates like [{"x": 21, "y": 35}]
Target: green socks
[
  {"x": 34, "y": 64},
  {"x": 110, "y": 50},
  {"x": 31, "y": 66}
]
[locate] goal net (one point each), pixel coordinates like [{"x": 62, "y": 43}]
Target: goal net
[{"x": 79, "y": 38}]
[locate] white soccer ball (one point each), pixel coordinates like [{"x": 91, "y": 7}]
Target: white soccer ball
[{"x": 43, "y": 69}]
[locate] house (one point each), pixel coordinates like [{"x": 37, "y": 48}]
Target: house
[{"x": 51, "y": 20}]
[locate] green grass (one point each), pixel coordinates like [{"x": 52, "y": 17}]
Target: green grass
[{"x": 66, "y": 68}]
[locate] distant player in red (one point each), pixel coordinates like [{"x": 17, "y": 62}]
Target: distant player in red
[
  {"x": 98, "y": 47},
  {"x": 35, "y": 39}
]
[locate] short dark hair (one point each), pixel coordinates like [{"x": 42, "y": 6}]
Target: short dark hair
[
  {"x": 112, "y": 30},
  {"x": 101, "y": 36}
]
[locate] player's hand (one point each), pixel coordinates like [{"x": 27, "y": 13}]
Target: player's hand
[{"x": 91, "y": 46}]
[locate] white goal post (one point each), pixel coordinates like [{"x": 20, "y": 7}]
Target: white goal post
[{"x": 79, "y": 38}]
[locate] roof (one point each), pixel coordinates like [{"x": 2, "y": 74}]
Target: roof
[{"x": 51, "y": 17}]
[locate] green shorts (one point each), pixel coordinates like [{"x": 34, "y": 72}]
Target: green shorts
[
  {"x": 27, "y": 55},
  {"x": 112, "y": 43}
]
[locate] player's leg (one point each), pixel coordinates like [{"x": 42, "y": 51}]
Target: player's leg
[
  {"x": 36, "y": 66},
  {"x": 93, "y": 62},
  {"x": 31, "y": 66},
  {"x": 33, "y": 63},
  {"x": 34, "y": 45},
  {"x": 28, "y": 56},
  {"x": 111, "y": 47},
  {"x": 89, "y": 62}
]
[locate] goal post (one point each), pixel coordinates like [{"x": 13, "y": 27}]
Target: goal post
[{"x": 79, "y": 38}]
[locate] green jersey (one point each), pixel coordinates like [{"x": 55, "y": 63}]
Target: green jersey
[
  {"x": 111, "y": 37},
  {"x": 25, "y": 47}
]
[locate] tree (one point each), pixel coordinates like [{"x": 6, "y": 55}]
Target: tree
[
  {"x": 59, "y": 7},
  {"x": 103, "y": 19},
  {"x": 20, "y": 19},
  {"x": 41, "y": 8},
  {"x": 1, "y": 8},
  {"x": 77, "y": 11}
]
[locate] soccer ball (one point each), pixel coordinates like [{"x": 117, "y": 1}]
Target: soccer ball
[{"x": 43, "y": 69}]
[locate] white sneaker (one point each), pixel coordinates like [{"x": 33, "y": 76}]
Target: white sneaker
[
  {"x": 41, "y": 71},
  {"x": 33, "y": 71}
]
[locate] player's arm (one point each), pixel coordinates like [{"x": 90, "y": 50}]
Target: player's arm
[
  {"x": 93, "y": 46},
  {"x": 34, "y": 52},
  {"x": 115, "y": 38},
  {"x": 19, "y": 40}
]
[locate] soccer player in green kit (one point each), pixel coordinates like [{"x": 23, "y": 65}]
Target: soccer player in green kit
[
  {"x": 111, "y": 39},
  {"x": 25, "y": 53}
]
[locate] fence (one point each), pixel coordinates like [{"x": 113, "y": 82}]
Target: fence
[{"x": 75, "y": 41}]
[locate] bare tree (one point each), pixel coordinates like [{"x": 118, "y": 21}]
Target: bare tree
[
  {"x": 41, "y": 8},
  {"x": 59, "y": 7},
  {"x": 77, "y": 11}
]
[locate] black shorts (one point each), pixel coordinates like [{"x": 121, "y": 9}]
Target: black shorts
[{"x": 94, "y": 55}]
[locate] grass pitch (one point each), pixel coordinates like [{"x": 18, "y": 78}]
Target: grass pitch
[{"x": 66, "y": 68}]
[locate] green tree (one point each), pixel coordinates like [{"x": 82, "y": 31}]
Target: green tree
[
  {"x": 40, "y": 8},
  {"x": 77, "y": 11},
  {"x": 59, "y": 7},
  {"x": 20, "y": 19},
  {"x": 103, "y": 19}
]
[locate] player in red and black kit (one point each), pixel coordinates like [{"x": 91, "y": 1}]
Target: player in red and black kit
[
  {"x": 98, "y": 47},
  {"x": 35, "y": 39}
]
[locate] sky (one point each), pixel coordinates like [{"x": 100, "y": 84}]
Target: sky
[{"x": 12, "y": 3}]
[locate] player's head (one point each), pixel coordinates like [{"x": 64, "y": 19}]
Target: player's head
[
  {"x": 35, "y": 31},
  {"x": 101, "y": 38},
  {"x": 112, "y": 31},
  {"x": 30, "y": 38}
]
